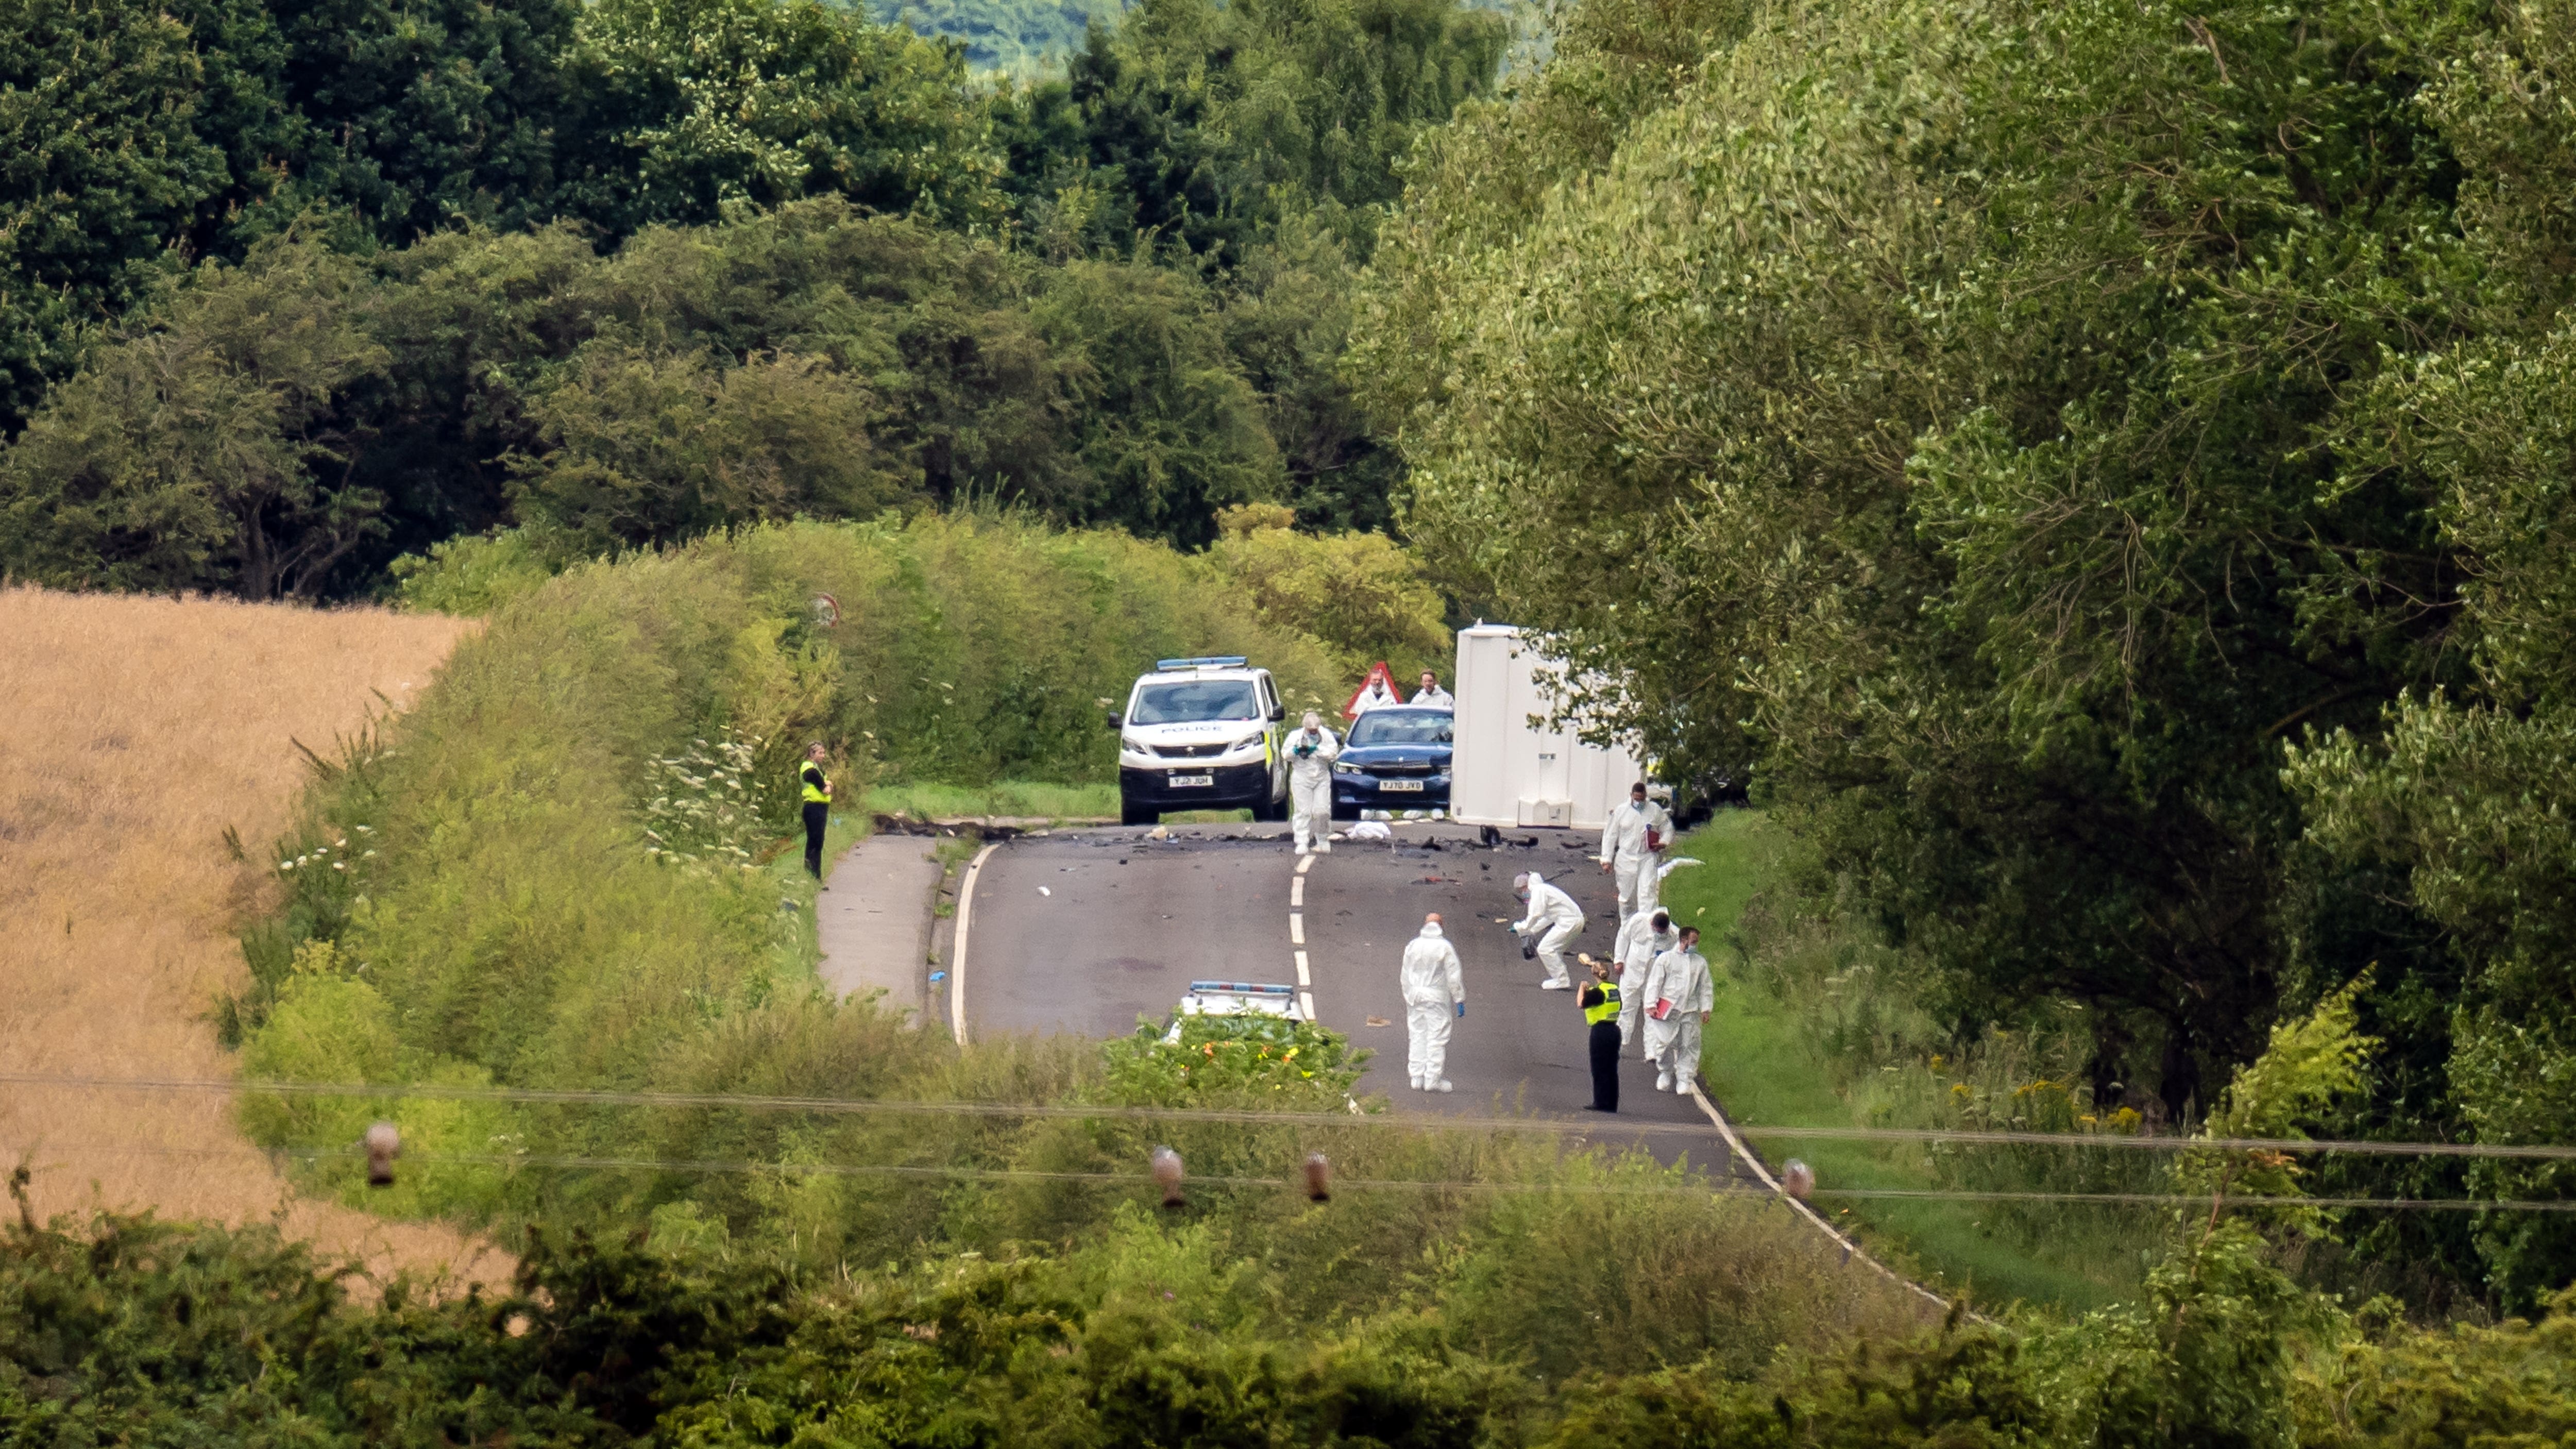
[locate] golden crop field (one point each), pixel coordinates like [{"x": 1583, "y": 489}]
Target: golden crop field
[{"x": 133, "y": 732}]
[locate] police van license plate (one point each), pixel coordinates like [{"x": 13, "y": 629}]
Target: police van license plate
[
  {"x": 1182, "y": 782},
  {"x": 1399, "y": 784}
]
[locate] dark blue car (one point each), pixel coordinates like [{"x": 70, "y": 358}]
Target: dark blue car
[{"x": 1396, "y": 758}]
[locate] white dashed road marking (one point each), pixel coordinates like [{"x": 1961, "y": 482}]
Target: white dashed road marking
[{"x": 1297, "y": 934}]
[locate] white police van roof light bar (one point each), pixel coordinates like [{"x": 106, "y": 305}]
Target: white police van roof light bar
[{"x": 1216, "y": 661}]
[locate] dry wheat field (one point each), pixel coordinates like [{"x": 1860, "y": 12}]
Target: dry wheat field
[{"x": 133, "y": 732}]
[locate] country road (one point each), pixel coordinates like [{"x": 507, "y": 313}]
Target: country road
[{"x": 1086, "y": 930}]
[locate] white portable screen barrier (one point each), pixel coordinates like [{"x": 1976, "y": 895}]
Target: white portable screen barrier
[{"x": 1505, "y": 771}]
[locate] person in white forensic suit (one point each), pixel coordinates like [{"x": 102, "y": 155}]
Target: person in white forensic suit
[
  {"x": 1680, "y": 997},
  {"x": 1378, "y": 695},
  {"x": 1431, "y": 695},
  {"x": 1311, "y": 752},
  {"x": 1648, "y": 934},
  {"x": 1435, "y": 994},
  {"x": 1554, "y": 918},
  {"x": 1632, "y": 845}
]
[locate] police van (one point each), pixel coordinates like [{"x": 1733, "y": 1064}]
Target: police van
[{"x": 1201, "y": 734}]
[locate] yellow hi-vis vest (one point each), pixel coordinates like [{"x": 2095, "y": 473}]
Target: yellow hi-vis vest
[
  {"x": 1608, "y": 1010},
  {"x": 818, "y": 786}
]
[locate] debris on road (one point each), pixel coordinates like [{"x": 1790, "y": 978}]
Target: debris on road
[
  {"x": 901, "y": 823},
  {"x": 1379, "y": 1021},
  {"x": 1042, "y": 890}
]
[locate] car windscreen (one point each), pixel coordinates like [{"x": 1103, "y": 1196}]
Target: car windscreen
[
  {"x": 1194, "y": 700},
  {"x": 1402, "y": 727}
]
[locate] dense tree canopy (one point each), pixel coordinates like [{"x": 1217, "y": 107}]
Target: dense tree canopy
[
  {"x": 2009, "y": 430},
  {"x": 564, "y": 271}
]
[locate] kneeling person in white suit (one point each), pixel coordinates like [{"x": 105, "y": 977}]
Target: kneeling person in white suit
[
  {"x": 1435, "y": 993},
  {"x": 1680, "y": 997}
]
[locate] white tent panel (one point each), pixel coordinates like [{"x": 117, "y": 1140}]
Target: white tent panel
[{"x": 1506, "y": 771}]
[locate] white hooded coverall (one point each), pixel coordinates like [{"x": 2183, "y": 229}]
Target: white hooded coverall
[
  {"x": 1672, "y": 1044},
  {"x": 1555, "y": 913},
  {"x": 1376, "y": 696},
  {"x": 1639, "y": 944},
  {"x": 1623, "y": 847},
  {"x": 1310, "y": 789},
  {"x": 1434, "y": 984}
]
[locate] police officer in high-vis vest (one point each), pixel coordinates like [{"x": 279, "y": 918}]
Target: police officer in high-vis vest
[
  {"x": 816, "y": 779},
  {"x": 1600, "y": 1002}
]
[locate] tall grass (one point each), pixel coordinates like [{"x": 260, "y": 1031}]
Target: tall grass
[
  {"x": 1820, "y": 1025},
  {"x": 137, "y": 737}
]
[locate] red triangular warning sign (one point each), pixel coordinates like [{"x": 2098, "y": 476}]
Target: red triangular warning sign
[{"x": 1378, "y": 674}]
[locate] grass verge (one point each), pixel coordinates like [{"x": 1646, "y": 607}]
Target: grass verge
[
  {"x": 1780, "y": 1052},
  {"x": 1006, "y": 799}
]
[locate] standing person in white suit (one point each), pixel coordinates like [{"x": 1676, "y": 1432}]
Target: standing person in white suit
[
  {"x": 1648, "y": 934},
  {"x": 1435, "y": 994},
  {"x": 1311, "y": 752},
  {"x": 1554, "y": 918},
  {"x": 1632, "y": 844},
  {"x": 1680, "y": 998}
]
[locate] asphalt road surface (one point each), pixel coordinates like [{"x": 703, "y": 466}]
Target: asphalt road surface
[{"x": 1087, "y": 930}]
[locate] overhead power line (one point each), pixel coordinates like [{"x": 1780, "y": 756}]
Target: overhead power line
[
  {"x": 727, "y": 1101},
  {"x": 1722, "y": 1187}
]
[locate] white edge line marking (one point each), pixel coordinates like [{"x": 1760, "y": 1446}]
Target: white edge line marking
[
  {"x": 1296, "y": 929},
  {"x": 1309, "y": 1001},
  {"x": 1304, "y": 978},
  {"x": 957, "y": 951},
  {"x": 1763, "y": 1175}
]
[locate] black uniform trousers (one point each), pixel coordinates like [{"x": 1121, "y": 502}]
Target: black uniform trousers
[
  {"x": 1605, "y": 1065},
  {"x": 818, "y": 816}
]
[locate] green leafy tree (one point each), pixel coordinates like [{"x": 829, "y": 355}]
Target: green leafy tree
[
  {"x": 414, "y": 117},
  {"x": 201, "y": 449},
  {"x": 130, "y": 131},
  {"x": 1206, "y": 124},
  {"x": 647, "y": 446},
  {"x": 2461, "y": 794},
  {"x": 687, "y": 111},
  {"x": 1168, "y": 430},
  {"x": 1358, "y": 594}
]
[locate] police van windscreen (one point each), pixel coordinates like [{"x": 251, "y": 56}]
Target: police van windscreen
[
  {"x": 1402, "y": 727},
  {"x": 1191, "y": 701}
]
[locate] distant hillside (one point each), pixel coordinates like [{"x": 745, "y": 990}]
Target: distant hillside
[{"x": 1021, "y": 38}]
